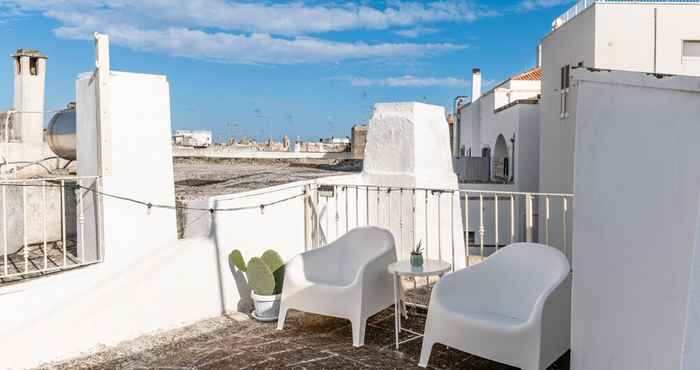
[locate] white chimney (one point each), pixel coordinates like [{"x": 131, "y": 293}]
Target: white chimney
[
  {"x": 30, "y": 77},
  {"x": 538, "y": 56},
  {"x": 476, "y": 84}
]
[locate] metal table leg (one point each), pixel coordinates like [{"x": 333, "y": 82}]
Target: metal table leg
[{"x": 397, "y": 308}]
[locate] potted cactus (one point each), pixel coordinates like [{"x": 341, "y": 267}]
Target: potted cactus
[
  {"x": 265, "y": 275},
  {"x": 417, "y": 255}
]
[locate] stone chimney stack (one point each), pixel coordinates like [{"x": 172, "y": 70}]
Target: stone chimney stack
[
  {"x": 476, "y": 84},
  {"x": 30, "y": 77}
]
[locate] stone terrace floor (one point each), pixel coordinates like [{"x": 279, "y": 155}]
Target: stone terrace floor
[{"x": 308, "y": 342}]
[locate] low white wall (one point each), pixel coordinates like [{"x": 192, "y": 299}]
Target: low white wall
[
  {"x": 148, "y": 281},
  {"x": 635, "y": 221}
]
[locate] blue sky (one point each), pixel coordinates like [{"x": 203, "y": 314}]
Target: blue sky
[{"x": 304, "y": 68}]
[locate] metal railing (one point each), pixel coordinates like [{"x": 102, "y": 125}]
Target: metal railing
[
  {"x": 489, "y": 220},
  {"x": 47, "y": 225},
  {"x": 8, "y": 127},
  {"x": 582, "y": 5}
]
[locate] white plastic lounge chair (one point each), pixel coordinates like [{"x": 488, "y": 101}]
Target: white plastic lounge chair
[
  {"x": 514, "y": 308},
  {"x": 348, "y": 278}
]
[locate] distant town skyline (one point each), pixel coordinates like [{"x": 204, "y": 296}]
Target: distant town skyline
[{"x": 238, "y": 68}]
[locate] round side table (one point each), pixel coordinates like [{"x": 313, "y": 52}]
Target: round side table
[{"x": 404, "y": 269}]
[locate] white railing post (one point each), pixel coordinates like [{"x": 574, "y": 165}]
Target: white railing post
[
  {"x": 466, "y": 227},
  {"x": 367, "y": 206},
  {"x": 357, "y": 206},
  {"x": 439, "y": 225},
  {"x": 427, "y": 252},
  {"x": 63, "y": 222},
  {"x": 528, "y": 217},
  {"x": 414, "y": 201},
  {"x": 379, "y": 190},
  {"x": 24, "y": 228},
  {"x": 388, "y": 210},
  {"x": 481, "y": 224},
  {"x": 337, "y": 214},
  {"x": 81, "y": 220},
  {"x": 347, "y": 211},
  {"x": 43, "y": 222},
  {"x": 564, "y": 224},
  {"x": 495, "y": 216},
  {"x": 4, "y": 228},
  {"x": 402, "y": 247},
  {"x": 452, "y": 227},
  {"x": 546, "y": 220},
  {"x": 512, "y": 218}
]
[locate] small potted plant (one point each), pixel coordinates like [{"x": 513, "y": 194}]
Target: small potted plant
[
  {"x": 417, "y": 255},
  {"x": 265, "y": 275}
]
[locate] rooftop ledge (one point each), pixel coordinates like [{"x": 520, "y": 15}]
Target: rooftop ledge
[
  {"x": 582, "y": 5},
  {"x": 651, "y": 80}
]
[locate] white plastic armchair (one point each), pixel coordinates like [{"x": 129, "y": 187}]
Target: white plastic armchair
[
  {"x": 514, "y": 308},
  {"x": 348, "y": 279}
]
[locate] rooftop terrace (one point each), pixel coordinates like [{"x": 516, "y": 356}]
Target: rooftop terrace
[{"x": 309, "y": 341}]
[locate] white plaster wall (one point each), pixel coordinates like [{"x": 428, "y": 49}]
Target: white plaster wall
[
  {"x": 527, "y": 148},
  {"x": 466, "y": 120},
  {"x": 571, "y": 44},
  {"x": 634, "y": 231},
  {"x": 132, "y": 291},
  {"x": 624, "y": 37},
  {"x": 636, "y": 49},
  {"x": 504, "y": 122},
  {"x": 675, "y": 24},
  {"x": 476, "y": 123},
  {"x": 691, "y": 356},
  {"x": 514, "y": 90}
]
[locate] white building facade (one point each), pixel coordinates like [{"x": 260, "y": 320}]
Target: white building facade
[
  {"x": 498, "y": 133},
  {"x": 654, "y": 37}
]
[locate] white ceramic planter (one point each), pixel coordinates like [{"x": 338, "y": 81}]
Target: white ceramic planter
[{"x": 267, "y": 307}]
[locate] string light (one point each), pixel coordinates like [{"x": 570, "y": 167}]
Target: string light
[{"x": 149, "y": 205}]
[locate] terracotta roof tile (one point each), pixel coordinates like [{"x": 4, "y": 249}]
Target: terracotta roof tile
[{"x": 534, "y": 74}]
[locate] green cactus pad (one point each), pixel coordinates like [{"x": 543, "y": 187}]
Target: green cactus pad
[
  {"x": 276, "y": 265},
  {"x": 260, "y": 278},
  {"x": 237, "y": 258}
]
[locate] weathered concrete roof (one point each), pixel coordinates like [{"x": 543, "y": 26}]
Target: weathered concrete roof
[{"x": 28, "y": 53}]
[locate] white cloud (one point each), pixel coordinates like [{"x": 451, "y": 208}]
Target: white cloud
[
  {"x": 406, "y": 81},
  {"x": 529, "y": 5},
  {"x": 248, "y": 32},
  {"x": 417, "y": 31},
  {"x": 289, "y": 18},
  {"x": 257, "y": 48}
]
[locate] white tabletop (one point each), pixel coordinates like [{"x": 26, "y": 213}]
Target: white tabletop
[{"x": 430, "y": 267}]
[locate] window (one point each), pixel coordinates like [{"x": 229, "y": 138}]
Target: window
[
  {"x": 691, "y": 49},
  {"x": 564, "y": 91},
  {"x": 32, "y": 66},
  {"x": 565, "y": 73}
]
